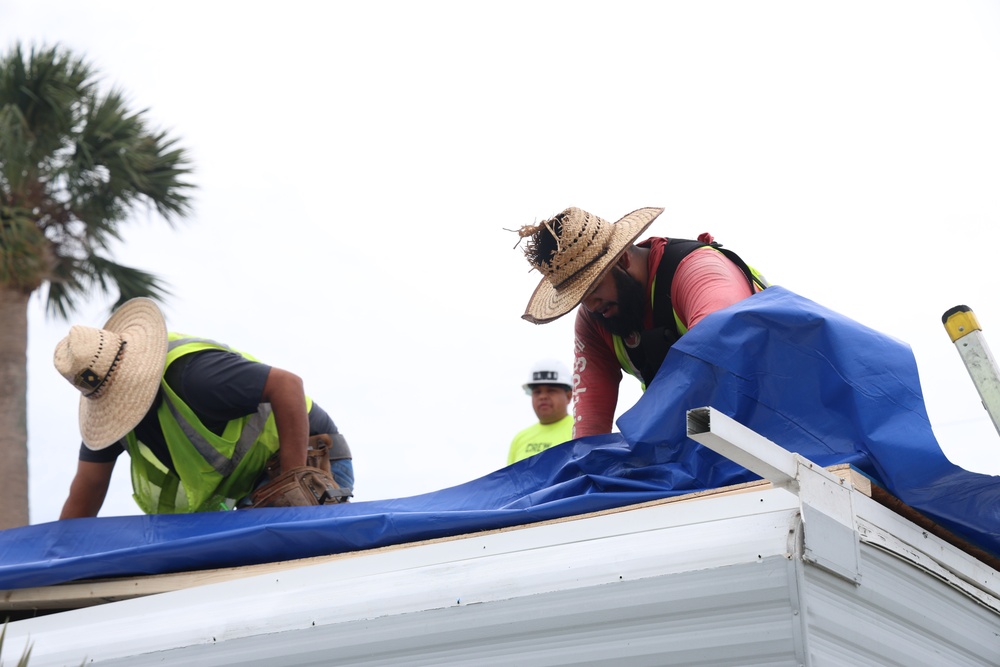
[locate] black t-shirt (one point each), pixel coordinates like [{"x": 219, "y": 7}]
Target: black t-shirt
[{"x": 219, "y": 386}]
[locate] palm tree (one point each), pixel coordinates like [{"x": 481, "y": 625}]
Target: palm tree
[{"x": 75, "y": 163}]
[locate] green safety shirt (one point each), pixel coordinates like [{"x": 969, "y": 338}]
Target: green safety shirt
[{"x": 539, "y": 437}]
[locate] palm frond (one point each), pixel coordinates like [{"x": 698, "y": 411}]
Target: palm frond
[
  {"x": 67, "y": 283},
  {"x": 79, "y": 163},
  {"x": 47, "y": 87},
  {"x": 130, "y": 282},
  {"x": 74, "y": 278}
]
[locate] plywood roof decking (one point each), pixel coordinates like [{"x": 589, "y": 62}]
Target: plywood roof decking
[{"x": 29, "y": 602}]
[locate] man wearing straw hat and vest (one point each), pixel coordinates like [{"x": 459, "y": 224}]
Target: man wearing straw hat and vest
[
  {"x": 638, "y": 299},
  {"x": 206, "y": 427}
]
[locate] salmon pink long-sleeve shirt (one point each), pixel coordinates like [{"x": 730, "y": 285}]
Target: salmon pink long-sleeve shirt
[{"x": 705, "y": 281}]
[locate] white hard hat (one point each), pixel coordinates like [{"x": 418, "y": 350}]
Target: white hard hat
[{"x": 549, "y": 371}]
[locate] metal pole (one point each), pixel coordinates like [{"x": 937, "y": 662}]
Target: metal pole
[{"x": 963, "y": 328}]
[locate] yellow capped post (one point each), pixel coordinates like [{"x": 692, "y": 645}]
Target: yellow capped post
[
  {"x": 959, "y": 321},
  {"x": 964, "y": 330}
]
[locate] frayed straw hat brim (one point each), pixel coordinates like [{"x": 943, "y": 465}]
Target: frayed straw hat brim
[
  {"x": 135, "y": 381},
  {"x": 548, "y": 303}
]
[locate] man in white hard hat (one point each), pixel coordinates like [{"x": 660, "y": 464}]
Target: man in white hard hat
[{"x": 550, "y": 386}]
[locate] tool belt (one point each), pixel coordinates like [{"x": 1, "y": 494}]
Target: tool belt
[{"x": 311, "y": 484}]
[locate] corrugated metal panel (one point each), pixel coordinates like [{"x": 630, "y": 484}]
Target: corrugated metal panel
[
  {"x": 900, "y": 615},
  {"x": 769, "y": 612},
  {"x": 737, "y": 615}
]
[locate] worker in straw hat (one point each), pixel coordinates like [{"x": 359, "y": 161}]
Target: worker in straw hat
[
  {"x": 638, "y": 299},
  {"x": 205, "y": 427},
  {"x": 550, "y": 386}
]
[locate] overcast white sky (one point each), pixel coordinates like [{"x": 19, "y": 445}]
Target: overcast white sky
[{"x": 359, "y": 162}]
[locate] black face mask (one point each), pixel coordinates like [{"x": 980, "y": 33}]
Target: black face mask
[{"x": 631, "y": 305}]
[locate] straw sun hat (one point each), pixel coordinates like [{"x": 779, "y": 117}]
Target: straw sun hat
[
  {"x": 573, "y": 251},
  {"x": 117, "y": 369}
]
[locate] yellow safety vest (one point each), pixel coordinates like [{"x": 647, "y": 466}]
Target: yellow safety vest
[
  {"x": 211, "y": 472},
  {"x": 675, "y": 251}
]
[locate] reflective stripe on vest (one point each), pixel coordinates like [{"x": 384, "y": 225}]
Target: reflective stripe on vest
[
  {"x": 211, "y": 471},
  {"x": 623, "y": 358},
  {"x": 251, "y": 429}
]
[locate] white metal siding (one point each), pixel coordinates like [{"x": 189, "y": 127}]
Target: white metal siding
[
  {"x": 900, "y": 615},
  {"x": 737, "y": 615}
]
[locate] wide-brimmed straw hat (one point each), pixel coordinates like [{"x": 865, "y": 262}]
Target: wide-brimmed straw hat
[
  {"x": 573, "y": 251},
  {"x": 117, "y": 369}
]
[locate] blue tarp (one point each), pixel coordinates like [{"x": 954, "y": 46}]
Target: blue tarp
[{"x": 799, "y": 374}]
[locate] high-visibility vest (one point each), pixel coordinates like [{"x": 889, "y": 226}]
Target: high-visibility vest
[
  {"x": 210, "y": 472},
  {"x": 643, "y": 356}
]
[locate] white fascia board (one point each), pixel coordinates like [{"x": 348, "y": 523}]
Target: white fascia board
[
  {"x": 879, "y": 526},
  {"x": 633, "y": 544}
]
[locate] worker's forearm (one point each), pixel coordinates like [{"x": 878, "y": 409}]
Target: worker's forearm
[
  {"x": 284, "y": 391},
  {"x": 73, "y": 508},
  {"x": 294, "y": 445},
  {"x": 87, "y": 490}
]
